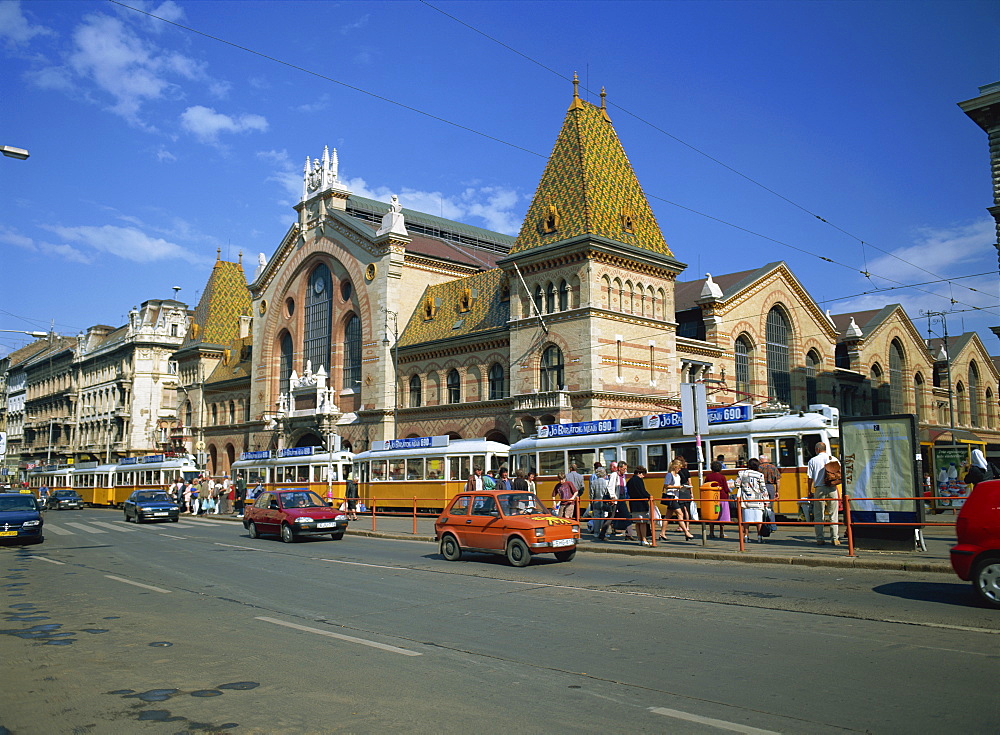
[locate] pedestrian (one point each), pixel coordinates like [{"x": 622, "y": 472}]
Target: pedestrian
[
  {"x": 598, "y": 499},
  {"x": 503, "y": 482},
  {"x": 224, "y": 501},
  {"x": 677, "y": 495},
  {"x": 241, "y": 495},
  {"x": 351, "y": 497},
  {"x": 716, "y": 476},
  {"x": 576, "y": 479},
  {"x": 489, "y": 481},
  {"x": 610, "y": 498},
  {"x": 772, "y": 477},
  {"x": 475, "y": 483},
  {"x": 753, "y": 496},
  {"x": 204, "y": 490},
  {"x": 530, "y": 479},
  {"x": 826, "y": 497},
  {"x": 565, "y": 491},
  {"x": 256, "y": 490},
  {"x": 192, "y": 497},
  {"x": 619, "y": 481},
  {"x": 639, "y": 504},
  {"x": 978, "y": 469}
]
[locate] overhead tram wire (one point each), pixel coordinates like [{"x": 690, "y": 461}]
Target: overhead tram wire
[
  {"x": 700, "y": 152},
  {"x": 514, "y": 145}
]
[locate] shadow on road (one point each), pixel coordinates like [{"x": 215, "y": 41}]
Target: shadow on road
[{"x": 947, "y": 593}]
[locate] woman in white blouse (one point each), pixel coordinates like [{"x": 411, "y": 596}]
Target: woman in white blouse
[{"x": 752, "y": 492}]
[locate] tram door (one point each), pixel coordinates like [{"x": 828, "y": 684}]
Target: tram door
[{"x": 632, "y": 457}]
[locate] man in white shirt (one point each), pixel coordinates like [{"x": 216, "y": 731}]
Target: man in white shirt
[{"x": 826, "y": 498}]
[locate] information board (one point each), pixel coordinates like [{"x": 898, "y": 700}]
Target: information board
[{"x": 880, "y": 468}]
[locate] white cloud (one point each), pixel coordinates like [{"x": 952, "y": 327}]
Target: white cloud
[
  {"x": 65, "y": 252},
  {"x": 359, "y": 23},
  {"x": 164, "y": 155},
  {"x": 206, "y": 123},
  {"x": 321, "y": 103},
  {"x": 127, "y": 243},
  {"x": 15, "y": 28}
]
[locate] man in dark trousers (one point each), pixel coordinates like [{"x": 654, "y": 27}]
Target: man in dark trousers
[{"x": 241, "y": 496}]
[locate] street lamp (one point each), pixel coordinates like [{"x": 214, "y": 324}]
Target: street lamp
[
  {"x": 392, "y": 316},
  {"x": 12, "y": 152},
  {"x": 37, "y": 335}
]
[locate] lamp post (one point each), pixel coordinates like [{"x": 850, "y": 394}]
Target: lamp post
[
  {"x": 37, "y": 335},
  {"x": 12, "y": 152},
  {"x": 393, "y": 317}
]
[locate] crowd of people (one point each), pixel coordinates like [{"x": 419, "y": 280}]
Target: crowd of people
[{"x": 205, "y": 495}]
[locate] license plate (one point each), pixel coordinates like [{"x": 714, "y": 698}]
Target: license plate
[
  {"x": 159, "y": 514},
  {"x": 563, "y": 542},
  {"x": 8, "y": 533},
  {"x": 326, "y": 524}
]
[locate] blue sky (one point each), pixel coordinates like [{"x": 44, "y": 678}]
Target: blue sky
[{"x": 153, "y": 146}]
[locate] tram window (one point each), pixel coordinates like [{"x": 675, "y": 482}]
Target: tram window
[
  {"x": 396, "y": 469},
  {"x": 809, "y": 442},
  {"x": 687, "y": 450},
  {"x": 458, "y": 468},
  {"x": 734, "y": 453},
  {"x": 788, "y": 455},
  {"x": 415, "y": 469},
  {"x": 435, "y": 469},
  {"x": 583, "y": 459},
  {"x": 524, "y": 462},
  {"x": 497, "y": 461},
  {"x": 768, "y": 448},
  {"x": 479, "y": 460},
  {"x": 656, "y": 458},
  {"x": 608, "y": 455},
  {"x": 633, "y": 457},
  {"x": 302, "y": 473},
  {"x": 551, "y": 463}
]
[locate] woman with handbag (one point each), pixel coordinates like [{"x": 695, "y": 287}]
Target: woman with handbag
[
  {"x": 676, "y": 496},
  {"x": 639, "y": 504},
  {"x": 752, "y": 492},
  {"x": 716, "y": 477}
]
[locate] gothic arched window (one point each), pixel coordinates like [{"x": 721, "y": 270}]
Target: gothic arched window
[
  {"x": 454, "y": 383},
  {"x": 812, "y": 368},
  {"x": 896, "y": 400},
  {"x": 498, "y": 382},
  {"x": 352, "y": 353},
  {"x": 285, "y": 365},
  {"x": 416, "y": 392},
  {"x": 319, "y": 305},
  {"x": 743, "y": 352},
  {"x": 779, "y": 378},
  {"x": 551, "y": 369},
  {"x": 974, "y": 394}
]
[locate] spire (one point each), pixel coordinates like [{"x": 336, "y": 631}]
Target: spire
[
  {"x": 604, "y": 105},
  {"x": 588, "y": 187}
]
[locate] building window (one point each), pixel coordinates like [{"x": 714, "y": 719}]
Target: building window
[
  {"x": 551, "y": 370},
  {"x": 960, "y": 403},
  {"x": 779, "y": 378},
  {"x": 974, "y": 394},
  {"x": 352, "y": 353},
  {"x": 812, "y": 366},
  {"x": 918, "y": 396},
  {"x": 454, "y": 383},
  {"x": 878, "y": 390},
  {"x": 416, "y": 392},
  {"x": 989, "y": 410},
  {"x": 317, "y": 319},
  {"x": 550, "y": 298},
  {"x": 742, "y": 356},
  {"x": 538, "y": 299},
  {"x": 232, "y": 412},
  {"x": 498, "y": 382},
  {"x": 896, "y": 401},
  {"x": 215, "y": 414},
  {"x": 841, "y": 358},
  {"x": 285, "y": 366},
  {"x": 563, "y": 296},
  {"x": 188, "y": 412}
]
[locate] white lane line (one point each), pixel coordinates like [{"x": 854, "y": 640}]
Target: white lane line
[
  {"x": 82, "y": 527},
  {"x": 138, "y": 584},
  {"x": 50, "y": 561},
  {"x": 182, "y": 525},
  {"x": 245, "y": 548},
  {"x": 340, "y": 636},
  {"x": 182, "y": 538},
  {"x": 711, "y": 722},
  {"x": 362, "y": 564},
  {"x": 57, "y": 530},
  {"x": 113, "y": 526}
]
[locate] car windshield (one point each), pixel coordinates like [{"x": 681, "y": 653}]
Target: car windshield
[
  {"x": 302, "y": 500},
  {"x": 64, "y": 494},
  {"x": 151, "y": 498},
  {"x": 22, "y": 502},
  {"x": 514, "y": 504}
]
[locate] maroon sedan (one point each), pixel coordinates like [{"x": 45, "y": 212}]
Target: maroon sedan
[
  {"x": 293, "y": 514},
  {"x": 976, "y": 557}
]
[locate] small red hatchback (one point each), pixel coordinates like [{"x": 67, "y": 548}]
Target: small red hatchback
[
  {"x": 513, "y": 524},
  {"x": 976, "y": 557},
  {"x": 293, "y": 514}
]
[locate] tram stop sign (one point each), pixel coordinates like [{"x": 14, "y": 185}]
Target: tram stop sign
[{"x": 694, "y": 409}]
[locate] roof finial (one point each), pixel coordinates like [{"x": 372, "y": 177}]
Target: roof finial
[
  {"x": 218, "y": 253},
  {"x": 604, "y": 105},
  {"x": 576, "y": 104},
  {"x": 241, "y": 256}
]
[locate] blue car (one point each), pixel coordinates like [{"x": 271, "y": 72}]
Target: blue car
[
  {"x": 20, "y": 519},
  {"x": 150, "y": 505}
]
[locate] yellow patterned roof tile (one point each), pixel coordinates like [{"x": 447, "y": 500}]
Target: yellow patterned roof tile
[{"x": 463, "y": 307}]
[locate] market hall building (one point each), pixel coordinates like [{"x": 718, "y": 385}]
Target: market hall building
[{"x": 371, "y": 321}]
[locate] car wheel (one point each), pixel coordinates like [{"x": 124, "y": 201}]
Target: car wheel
[
  {"x": 517, "y": 553},
  {"x": 566, "y": 555},
  {"x": 337, "y": 536},
  {"x": 986, "y": 580},
  {"x": 252, "y": 528},
  {"x": 450, "y": 548},
  {"x": 286, "y": 534}
]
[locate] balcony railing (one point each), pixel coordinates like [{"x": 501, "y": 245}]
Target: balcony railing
[{"x": 553, "y": 400}]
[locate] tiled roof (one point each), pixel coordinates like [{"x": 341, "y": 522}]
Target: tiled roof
[
  {"x": 686, "y": 293},
  {"x": 226, "y": 298},
  {"x": 866, "y": 320},
  {"x": 590, "y": 187},
  {"x": 27, "y": 352},
  {"x": 488, "y": 312},
  {"x": 445, "y": 249},
  {"x": 236, "y": 362}
]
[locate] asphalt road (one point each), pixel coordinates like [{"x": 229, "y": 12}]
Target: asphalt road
[{"x": 194, "y": 627}]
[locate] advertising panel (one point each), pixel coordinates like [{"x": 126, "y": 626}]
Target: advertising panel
[
  {"x": 950, "y": 466},
  {"x": 880, "y": 468}
]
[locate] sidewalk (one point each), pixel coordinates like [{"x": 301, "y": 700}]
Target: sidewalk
[{"x": 794, "y": 545}]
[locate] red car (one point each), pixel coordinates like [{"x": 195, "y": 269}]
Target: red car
[
  {"x": 293, "y": 514},
  {"x": 976, "y": 557},
  {"x": 512, "y": 524}
]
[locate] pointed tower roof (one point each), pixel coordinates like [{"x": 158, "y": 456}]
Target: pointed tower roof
[
  {"x": 225, "y": 299},
  {"x": 589, "y": 188}
]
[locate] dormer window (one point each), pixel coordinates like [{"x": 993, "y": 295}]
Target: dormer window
[
  {"x": 628, "y": 221},
  {"x": 468, "y": 299},
  {"x": 430, "y": 307},
  {"x": 551, "y": 221}
]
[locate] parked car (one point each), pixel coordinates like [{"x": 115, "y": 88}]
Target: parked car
[
  {"x": 20, "y": 519},
  {"x": 63, "y": 500},
  {"x": 976, "y": 556},
  {"x": 514, "y": 524},
  {"x": 150, "y": 505},
  {"x": 293, "y": 514}
]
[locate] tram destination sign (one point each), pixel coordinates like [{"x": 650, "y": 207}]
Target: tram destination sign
[
  {"x": 254, "y": 456},
  {"x": 718, "y": 415},
  {"x": 416, "y": 442},
  {"x": 296, "y": 452},
  {"x": 580, "y": 428}
]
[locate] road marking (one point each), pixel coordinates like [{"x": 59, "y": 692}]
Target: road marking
[
  {"x": 340, "y": 636},
  {"x": 50, "y": 561},
  {"x": 182, "y": 525},
  {"x": 245, "y": 548},
  {"x": 113, "y": 526},
  {"x": 362, "y": 564},
  {"x": 711, "y": 722},
  {"x": 58, "y": 531},
  {"x": 138, "y": 584},
  {"x": 82, "y": 527},
  {"x": 182, "y": 538}
]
